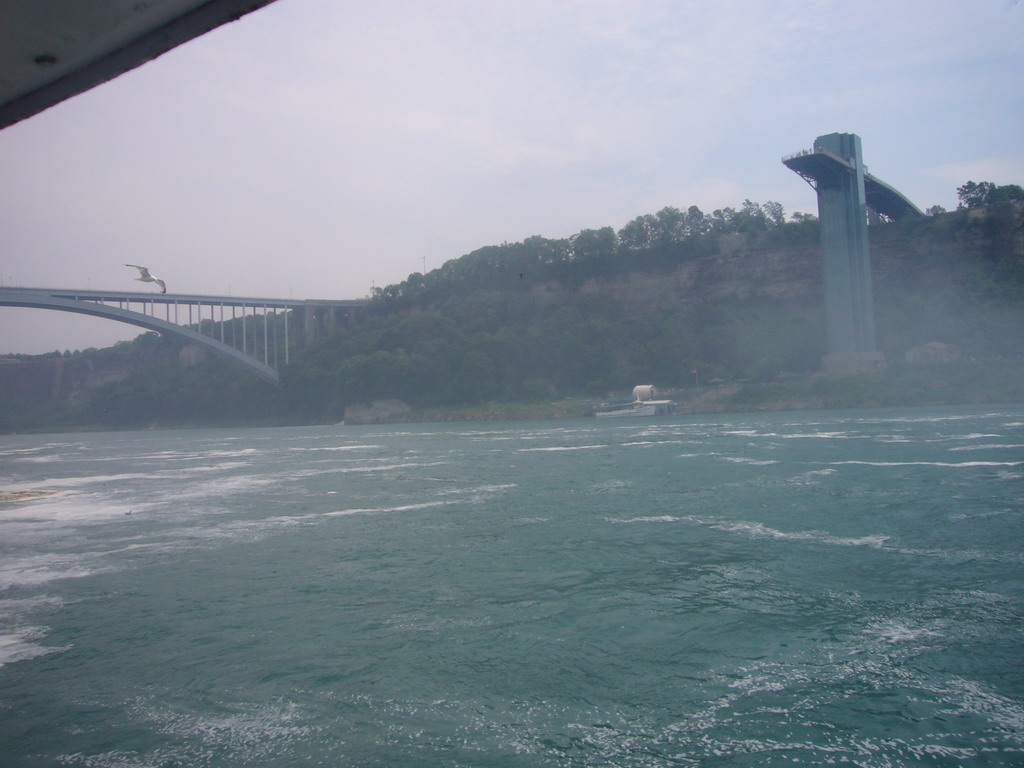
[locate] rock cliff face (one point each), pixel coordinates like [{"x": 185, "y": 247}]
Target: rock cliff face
[
  {"x": 740, "y": 273},
  {"x": 56, "y": 378},
  {"x": 938, "y": 265},
  {"x": 74, "y": 378}
]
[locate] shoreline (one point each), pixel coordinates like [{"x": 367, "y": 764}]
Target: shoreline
[{"x": 920, "y": 385}]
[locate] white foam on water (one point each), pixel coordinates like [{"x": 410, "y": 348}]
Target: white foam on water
[
  {"x": 254, "y": 734},
  {"x": 234, "y": 529},
  {"x": 753, "y": 689},
  {"x": 35, "y": 570},
  {"x": 24, "y": 451},
  {"x": 530, "y": 520},
  {"x": 960, "y": 555},
  {"x": 480, "y": 490},
  {"x": 85, "y": 481},
  {"x": 377, "y": 510},
  {"x": 931, "y": 751},
  {"x": 161, "y": 455},
  {"x": 485, "y": 434},
  {"x": 249, "y": 728},
  {"x": 220, "y": 452},
  {"x": 20, "y": 645},
  {"x": 752, "y": 462},
  {"x": 78, "y": 482},
  {"x": 44, "y": 459},
  {"x": 954, "y": 465},
  {"x": 928, "y": 419},
  {"x": 899, "y": 632},
  {"x": 972, "y": 697},
  {"x": 326, "y": 448},
  {"x": 495, "y": 488},
  {"x": 811, "y": 477},
  {"x": 565, "y": 448},
  {"x": 220, "y": 486},
  {"x": 190, "y": 471},
  {"x": 191, "y": 455},
  {"x": 69, "y": 508},
  {"x": 986, "y": 447},
  {"x": 612, "y": 485},
  {"x": 983, "y": 515},
  {"x": 389, "y": 467},
  {"x": 761, "y": 531},
  {"x": 28, "y": 605},
  {"x": 650, "y": 519}
]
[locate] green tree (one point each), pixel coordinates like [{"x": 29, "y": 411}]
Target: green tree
[
  {"x": 639, "y": 234},
  {"x": 475, "y": 380},
  {"x": 985, "y": 193}
]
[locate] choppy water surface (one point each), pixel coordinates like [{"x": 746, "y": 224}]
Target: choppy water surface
[{"x": 813, "y": 588}]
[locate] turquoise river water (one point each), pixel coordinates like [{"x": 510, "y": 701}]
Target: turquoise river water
[{"x": 747, "y": 590}]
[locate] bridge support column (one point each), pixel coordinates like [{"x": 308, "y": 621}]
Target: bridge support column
[
  {"x": 321, "y": 319},
  {"x": 836, "y": 171}
]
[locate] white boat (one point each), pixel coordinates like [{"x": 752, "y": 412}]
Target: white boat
[{"x": 642, "y": 404}]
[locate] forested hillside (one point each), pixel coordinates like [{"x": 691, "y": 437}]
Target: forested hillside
[{"x": 671, "y": 298}]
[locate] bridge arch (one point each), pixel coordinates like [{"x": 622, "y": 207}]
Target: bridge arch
[{"x": 40, "y": 300}]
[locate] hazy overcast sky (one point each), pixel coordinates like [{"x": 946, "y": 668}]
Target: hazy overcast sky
[{"x": 316, "y": 148}]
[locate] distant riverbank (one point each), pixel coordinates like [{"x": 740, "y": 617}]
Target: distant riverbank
[
  {"x": 965, "y": 383},
  {"x": 916, "y": 385}
]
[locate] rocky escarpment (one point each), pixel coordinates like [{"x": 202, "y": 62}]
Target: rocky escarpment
[
  {"x": 954, "y": 279},
  {"x": 737, "y": 271},
  {"x": 73, "y": 377}
]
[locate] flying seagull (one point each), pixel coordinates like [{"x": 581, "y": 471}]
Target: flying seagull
[{"x": 146, "y": 277}]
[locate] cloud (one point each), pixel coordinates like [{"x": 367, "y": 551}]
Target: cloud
[{"x": 996, "y": 170}]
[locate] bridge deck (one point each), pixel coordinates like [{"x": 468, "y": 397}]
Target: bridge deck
[
  {"x": 183, "y": 298},
  {"x": 118, "y": 306}
]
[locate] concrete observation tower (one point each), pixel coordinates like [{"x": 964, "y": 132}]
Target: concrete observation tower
[{"x": 847, "y": 195}]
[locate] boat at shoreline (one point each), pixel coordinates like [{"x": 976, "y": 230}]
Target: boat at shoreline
[{"x": 642, "y": 404}]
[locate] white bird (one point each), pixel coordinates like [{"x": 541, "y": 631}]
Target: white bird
[{"x": 146, "y": 277}]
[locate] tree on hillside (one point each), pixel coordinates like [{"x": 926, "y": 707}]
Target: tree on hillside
[
  {"x": 985, "y": 193},
  {"x": 596, "y": 246},
  {"x": 640, "y": 233}
]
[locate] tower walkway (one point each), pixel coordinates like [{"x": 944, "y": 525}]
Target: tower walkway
[
  {"x": 256, "y": 333},
  {"x": 814, "y": 165}
]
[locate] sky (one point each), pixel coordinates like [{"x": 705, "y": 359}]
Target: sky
[{"x": 316, "y": 149}]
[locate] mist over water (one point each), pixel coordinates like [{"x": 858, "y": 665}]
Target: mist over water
[{"x": 743, "y": 590}]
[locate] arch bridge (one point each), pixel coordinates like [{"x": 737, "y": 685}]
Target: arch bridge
[{"x": 256, "y": 333}]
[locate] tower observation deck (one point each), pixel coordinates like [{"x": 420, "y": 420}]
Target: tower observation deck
[{"x": 846, "y": 192}]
